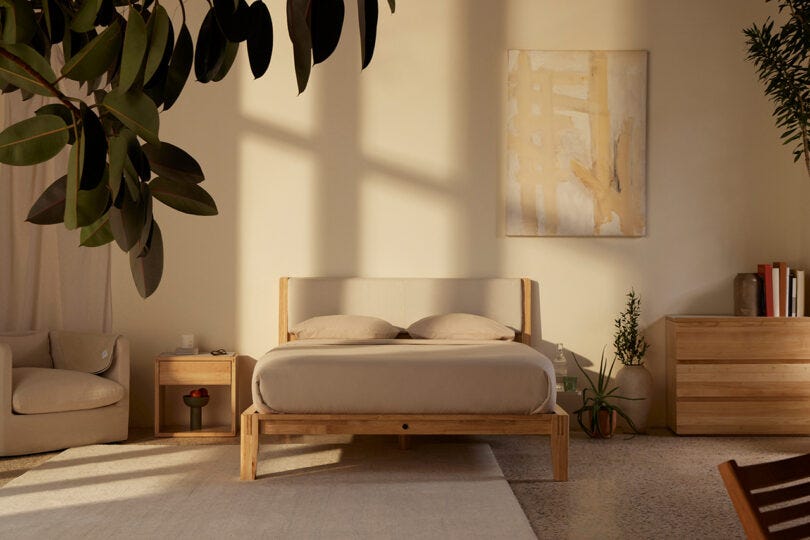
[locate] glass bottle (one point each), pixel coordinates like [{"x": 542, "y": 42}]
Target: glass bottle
[{"x": 560, "y": 368}]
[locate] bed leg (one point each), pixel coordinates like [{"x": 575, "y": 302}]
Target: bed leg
[
  {"x": 404, "y": 442},
  {"x": 249, "y": 446},
  {"x": 559, "y": 446}
]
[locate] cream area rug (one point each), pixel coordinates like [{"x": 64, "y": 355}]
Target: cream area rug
[{"x": 303, "y": 491}]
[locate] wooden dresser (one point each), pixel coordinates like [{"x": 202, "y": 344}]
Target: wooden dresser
[{"x": 738, "y": 375}]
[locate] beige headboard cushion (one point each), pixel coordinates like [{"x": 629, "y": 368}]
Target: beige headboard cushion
[{"x": 402, "y": 301}]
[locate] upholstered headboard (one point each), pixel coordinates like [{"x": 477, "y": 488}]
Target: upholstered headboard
[{"x": 402, "y": 301}]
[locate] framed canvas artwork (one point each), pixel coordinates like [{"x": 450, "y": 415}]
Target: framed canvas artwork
[{"x": 576, "y": 143}]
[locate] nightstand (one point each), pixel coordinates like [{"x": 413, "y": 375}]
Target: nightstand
[{"x": 194, "y": 371}]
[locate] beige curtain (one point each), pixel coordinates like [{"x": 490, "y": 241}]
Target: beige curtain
[{"x": 47, "y": 281}]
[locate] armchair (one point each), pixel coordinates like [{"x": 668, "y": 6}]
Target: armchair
[{"x": 43, "y": 408}]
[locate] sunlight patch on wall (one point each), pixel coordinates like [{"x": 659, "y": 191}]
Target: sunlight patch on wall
[
  {"x": 410, "y": 121},
  {"x": 277, "y": 226},
  {"x": 412, "y": 233},
  {"x": 273, "y": 100}
]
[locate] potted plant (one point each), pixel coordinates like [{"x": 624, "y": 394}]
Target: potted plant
[
  {"x": 634, "y": 378},
  {"x": 598, "y": 414}
]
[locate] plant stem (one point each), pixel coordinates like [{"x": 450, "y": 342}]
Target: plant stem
[{"x": 40, "y": 79}]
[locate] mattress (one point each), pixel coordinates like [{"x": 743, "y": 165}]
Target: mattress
[{"x": 389, "y": 376}]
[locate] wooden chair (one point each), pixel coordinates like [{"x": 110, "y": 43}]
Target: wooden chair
[{"x": 781, "y": 484}]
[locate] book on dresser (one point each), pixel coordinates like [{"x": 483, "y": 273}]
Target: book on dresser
[
  {"x": 765, "y": 272},
  {"x": 781, "y": 290}
]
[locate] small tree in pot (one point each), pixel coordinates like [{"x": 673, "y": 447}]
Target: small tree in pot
[{"x": 631, "y": 347}]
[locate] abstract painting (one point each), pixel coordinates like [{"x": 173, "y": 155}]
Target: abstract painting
[{"x": 576, "y": 143}]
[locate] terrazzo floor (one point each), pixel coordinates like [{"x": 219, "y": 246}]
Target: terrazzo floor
[{"x": 648, "y": 486}]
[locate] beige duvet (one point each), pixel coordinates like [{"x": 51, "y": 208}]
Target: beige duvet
[{"x": 388, "y": 376}]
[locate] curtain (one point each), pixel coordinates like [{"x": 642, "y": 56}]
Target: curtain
[{"x": 47, "y": 281}]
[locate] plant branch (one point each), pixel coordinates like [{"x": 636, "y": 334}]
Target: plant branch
[{"x": 40, "y": 79}]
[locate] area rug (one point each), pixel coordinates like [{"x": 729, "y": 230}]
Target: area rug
[{"x": 303, "y": 491}]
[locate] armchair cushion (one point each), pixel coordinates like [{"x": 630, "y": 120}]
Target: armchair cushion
[
  {"x": 39, "y": 390},
  {"x": 82, "y": 351},
  {"x": 29, "y": 349}
]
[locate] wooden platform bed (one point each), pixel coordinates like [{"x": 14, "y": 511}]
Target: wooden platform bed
[{"x": 555, "y": 425}]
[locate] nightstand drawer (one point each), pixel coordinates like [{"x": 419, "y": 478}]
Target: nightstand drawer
[{"x": 195, "y": 373}]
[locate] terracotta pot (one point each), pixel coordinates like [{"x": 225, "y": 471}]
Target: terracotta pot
[
  {"x": 607, "y": 424},
  {"x": 635, "y": 382}
]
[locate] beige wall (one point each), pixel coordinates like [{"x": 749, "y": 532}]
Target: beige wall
[{"x": 397, "y": 172}]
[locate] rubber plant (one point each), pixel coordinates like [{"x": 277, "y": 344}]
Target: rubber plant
[
  {"x": 597, "y": 401},
  {"x": 783, "y": 64},
  {"x": 131, "y": 64}
]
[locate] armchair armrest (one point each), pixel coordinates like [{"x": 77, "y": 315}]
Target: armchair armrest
[
  {"x": 5, "y": 382},
  {"x": 120, "y": 369}
]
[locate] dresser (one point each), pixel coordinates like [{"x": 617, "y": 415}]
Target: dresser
[{"x": 738, "y": 375}]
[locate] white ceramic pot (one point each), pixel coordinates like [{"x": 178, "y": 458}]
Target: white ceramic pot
[{"x": 635, "y": 382}]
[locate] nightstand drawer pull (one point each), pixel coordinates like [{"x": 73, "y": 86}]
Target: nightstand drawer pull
[{"x": 405, "y": 426}]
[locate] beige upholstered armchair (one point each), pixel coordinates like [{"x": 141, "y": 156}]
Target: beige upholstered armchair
[{"x": 62, "y": 389}]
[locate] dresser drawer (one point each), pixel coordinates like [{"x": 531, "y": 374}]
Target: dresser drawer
[
  {"x": 742, "y": 380},
  {"x": 749, "y": 339},
  {"x": 766, "y": 417},
  {"x": 195, "y": 372}
]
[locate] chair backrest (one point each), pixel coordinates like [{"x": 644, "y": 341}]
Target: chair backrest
[{"x": 769, "y": 495}]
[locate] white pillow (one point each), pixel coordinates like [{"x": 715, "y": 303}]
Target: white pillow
[
  {"x": 344, "y": 327},
  {"x": 460, "y": 326}
]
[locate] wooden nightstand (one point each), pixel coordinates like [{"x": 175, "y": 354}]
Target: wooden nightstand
[{"x": 194, "y": 371}]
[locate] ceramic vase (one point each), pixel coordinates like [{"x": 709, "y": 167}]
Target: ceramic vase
[{"x": 635, "y": 382}]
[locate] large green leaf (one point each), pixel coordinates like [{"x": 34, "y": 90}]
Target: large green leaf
[
  {"x": 18, "y": 21},
  {"x": 158, "y": 38},
  {"x": 142, "y": 246},
  {"x": 134, "y": 51},
  {"x": 169, "y": 161},
  {"x": 33, "y": 140},
  {"x": 126, "y": 222},
  {"x": 136, "y": 111},
  {"x": 95, "y": 150},
  {"x": 156, "y": 87},
  {"x": 210, "y": 52},
  {"x": 148, "y": 269},
  {"x": 106, "y": 14},
  {"x": 298, "y": 28},
  {"x": 367, "y": 11},
  {"x": 50, "y": 206},
  {"x": 98, "y": 233},
  {"x": 326, "y": 24},
  {"x": 95, "y": 58},
  {"x": 85, "y": 18},
  {"x": 179, "y": 67},
  {"x": 183, "y": 196},
  {"x": 54, "y": 20},
  {"x": 260, "y": 42},
  {"x": 237, "y": 27},
  {"x": 231, "y": 48},
  {"x": 118, "y": 156},
  {"x": 16, "y": 75},
  {"x": 57, "y": 109},
  {"x": 74, "y": 175},
  {"x": 91, "y": 204}
]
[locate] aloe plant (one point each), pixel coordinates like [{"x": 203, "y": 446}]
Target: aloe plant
[
  {"x": 598, "y": 396},
  {"x": 133, "y": 66}
]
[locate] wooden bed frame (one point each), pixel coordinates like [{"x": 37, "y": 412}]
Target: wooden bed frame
[{"x": 255, "y": 423}]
